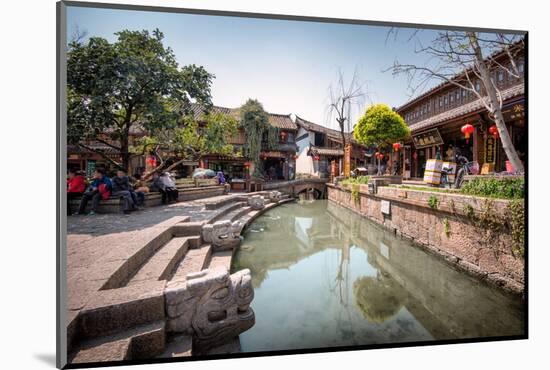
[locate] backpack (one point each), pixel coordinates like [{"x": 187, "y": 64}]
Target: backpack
[{"x": 104, "y": 190}]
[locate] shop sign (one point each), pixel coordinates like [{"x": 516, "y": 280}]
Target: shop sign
[
  {"x": 427, "y": 139},
  {"x": 490, "y": 144},
  {"x": 90, "y": 168},
  {"x": 385, "y": 207}
]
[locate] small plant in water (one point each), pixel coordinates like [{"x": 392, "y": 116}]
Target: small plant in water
[{"x": 433, "y": 202}]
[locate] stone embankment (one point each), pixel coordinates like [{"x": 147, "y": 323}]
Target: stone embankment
[{"x": 470, "y": 232}]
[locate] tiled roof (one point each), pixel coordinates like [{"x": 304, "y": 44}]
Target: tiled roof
[
  {"x": 445, "y": 84},
  {"x": 465, "y": 109},
  {"x": 332, "y": 152},
  {"x": 282, "y": 121},
  {"x": 76, "y": 149},
  {"x": 333, "y": 134}
]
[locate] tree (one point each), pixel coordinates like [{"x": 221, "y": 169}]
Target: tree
[
  {"x": 380, "y": 126},
  {"x": 255, "y": 121},
  {"x": 189, "y": 141},
  {"x": 464, "y": 58},
  {"x": 342, "y": 97},
  {"x": 133, "y": 82}
]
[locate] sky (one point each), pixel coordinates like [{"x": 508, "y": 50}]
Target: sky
[{"x": 287, "y": 65}]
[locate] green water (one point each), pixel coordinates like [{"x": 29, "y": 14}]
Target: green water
[{"x": 324, "y": 277}]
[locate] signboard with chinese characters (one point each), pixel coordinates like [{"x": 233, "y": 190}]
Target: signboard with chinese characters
[
  {"x": 427, "y": 139},
  {"x": 490, "y": 145},
  {"x": 347, "y": 160},
  {"x": 385, "y": 207},
  {"x": 90, "y": 168}
]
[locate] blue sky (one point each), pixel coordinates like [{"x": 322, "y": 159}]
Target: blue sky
[{"x": 286, "y": 65}]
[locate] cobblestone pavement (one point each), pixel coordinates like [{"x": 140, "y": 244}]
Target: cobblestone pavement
[
  {"x": 102, "y": 224},
  {"x": 93, "y": 240}
]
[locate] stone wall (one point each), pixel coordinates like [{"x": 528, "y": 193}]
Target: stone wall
[{"x": 469, "y": 232}]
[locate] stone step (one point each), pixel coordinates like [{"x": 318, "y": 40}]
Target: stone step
[
  {"x": 178, "y": 346},
  {"x": 188, "y": 228},
  {"x": 241, "y": 212},
  {"x": 236, "y": 213},
  {"x": 219, "y": 202},
  {"x": 140, "y": 342},
  {"x": 194, "y": 261},
  {"x": 227, "y": 209},
  {"x": 115, "y": 310},
  {"x": 162, "y": 264},
  {"x": 221, "y": 259}
]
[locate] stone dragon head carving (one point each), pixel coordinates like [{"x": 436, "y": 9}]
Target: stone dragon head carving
[
  {"x": 275, "y": 196},
  {"x": 256, "y": 202},
  {"x": 212, "y": 305},
  {"x": 222, "y": 234}
]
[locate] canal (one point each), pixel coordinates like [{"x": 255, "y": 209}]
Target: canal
[{"x": 325, "y": 277}]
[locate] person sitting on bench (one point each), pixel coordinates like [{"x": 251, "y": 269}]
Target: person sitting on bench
[
  {"x": 123, "y": 189},
  {"x": 76, "y": 185},
  {"x": 99, "y": 189}
]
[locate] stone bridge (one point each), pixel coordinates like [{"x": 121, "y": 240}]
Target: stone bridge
[{"x": 294, "y": 187}]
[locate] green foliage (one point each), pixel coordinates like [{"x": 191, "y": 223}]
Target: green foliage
[
  {"x": 447, "y": 227},
  {"x": 516, "y": 210},
  {"x": 191, "y": 141},
  {"x": 433, "y": 202},
  {"x": 380, "y": 126},
  {"x": 132, "y": 81},
  {"x": 505, "y": 188},
  {"x": 355, "y": 193},
  {"x": 469, "y": 211},
  {"x": 255, "y": 121},
  {"x": 363, "y": 180}
]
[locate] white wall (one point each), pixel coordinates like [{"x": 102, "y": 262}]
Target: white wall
[{"x": 304, "y": 162}]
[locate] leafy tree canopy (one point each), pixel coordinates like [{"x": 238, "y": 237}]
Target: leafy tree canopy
[
  {"x": 135, "y": 80},
  {"x": 380, "y": 126},
  {"x": 255, "y": 121},
  {"x": 190, "y": 140}
]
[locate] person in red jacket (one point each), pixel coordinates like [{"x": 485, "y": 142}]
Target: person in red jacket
[{"x": 76, "y": 185}]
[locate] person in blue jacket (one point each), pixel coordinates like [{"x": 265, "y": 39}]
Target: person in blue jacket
[{"x": 99, "y": 189}]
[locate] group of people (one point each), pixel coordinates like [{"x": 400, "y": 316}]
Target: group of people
[{"x": 131, "y": 191}]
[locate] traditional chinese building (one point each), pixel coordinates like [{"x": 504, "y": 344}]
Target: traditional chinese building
[
  {"x": 276, "y": 163},
  {"x": 320, "y": 150},
  {"x": 436, "y": 117}
]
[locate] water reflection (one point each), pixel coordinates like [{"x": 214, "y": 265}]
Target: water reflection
[{"x": 325, "y": 277}]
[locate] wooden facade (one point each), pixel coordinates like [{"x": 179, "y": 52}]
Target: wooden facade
[{"x": 436, "y": 117}]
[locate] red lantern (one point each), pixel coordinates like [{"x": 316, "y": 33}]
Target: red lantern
[
  {"x": 151, "y": 161},
  {"x": 493, "y": 130},
  {"x": 467, "y": 130},
  {"x": 396, "y": 147},
  {"x": 317, "y": 157}
]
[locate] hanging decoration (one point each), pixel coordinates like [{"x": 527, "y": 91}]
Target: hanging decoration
[
  {"x": 467, "y": 130},
  {"x": 493, "y": 130},
  {"x": 396, "y": 147}
]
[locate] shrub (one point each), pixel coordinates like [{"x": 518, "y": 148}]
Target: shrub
[
  {"x": 505, "y": 188},
  {"x": 356, "y": 180},
  {"x": 433, "y": 202}
]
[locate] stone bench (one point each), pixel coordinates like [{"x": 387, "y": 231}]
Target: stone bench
[{"x": 114, "y": 205}]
